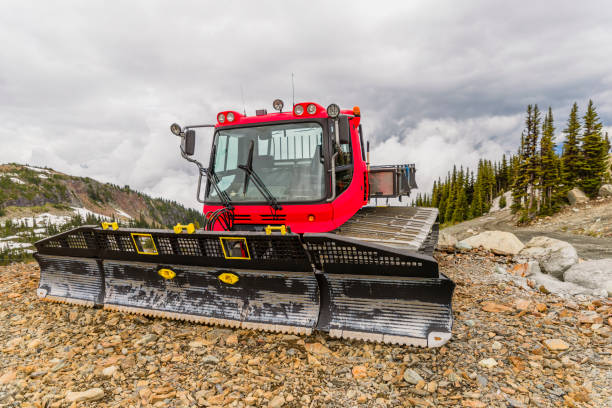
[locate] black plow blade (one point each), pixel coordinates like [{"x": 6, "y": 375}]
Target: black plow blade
[{"x": 286, "y": 283}]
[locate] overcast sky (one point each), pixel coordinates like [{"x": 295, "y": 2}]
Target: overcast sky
[{"x": 90, "y": 88}]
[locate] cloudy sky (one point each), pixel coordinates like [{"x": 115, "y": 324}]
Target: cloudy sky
[{"x": 90, "y": 88}]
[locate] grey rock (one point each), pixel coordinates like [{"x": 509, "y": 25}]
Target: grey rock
[
  {"x": 605, "y": 190},
  {"x": 498, "y": 242},
  {"x": 500, "y": 269},
  {"x": 553, "y": 255},
  {"x": 576, "y": 196},
  {"x": 515, "y": 404},
  {"x": 412, "y": 377},
  {"x": 147, "y": 338},
  {"x": 558, "y": 287},
  {"x": 596, "y": 274},
  {"x": 446, "y": 241},
  {"x": 93, "y": 394},
  {"x": 533, "y": 267},
  {"x": 37, "y": 374},
  {"x": 462, "y": 246},
  {"x": 482, "y": 381},
  {"x": 209, "y": 359}
]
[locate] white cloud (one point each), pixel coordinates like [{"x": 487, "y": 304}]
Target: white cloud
[
  {"x": 91, "y": 88},
  {"x": 436, "y": 145}
]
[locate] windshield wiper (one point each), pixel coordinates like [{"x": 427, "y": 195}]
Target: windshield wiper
[
  {"x": 211, "y": 177},
  {"x": 250, "y": 173}
]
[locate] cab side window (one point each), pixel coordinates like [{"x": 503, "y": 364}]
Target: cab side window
[{"x": 344, "y": 165}]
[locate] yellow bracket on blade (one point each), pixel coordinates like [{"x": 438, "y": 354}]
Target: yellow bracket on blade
[
  {"x": 189, "y": 228},
  {"x": 113, "y": 225},
  {"x": 281, "y": 228},
  {"x": 228, "y": 278},
  {"x": 166, "y": 273}
]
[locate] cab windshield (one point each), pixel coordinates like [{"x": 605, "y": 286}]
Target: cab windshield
[{"x": 287, "y": 158}]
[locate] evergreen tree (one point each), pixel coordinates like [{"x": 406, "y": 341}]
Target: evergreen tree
[
  {"x": 594, "y": 153},
  {"x": 549, "y": 177},
  {"x": 572, "y": 157},
  {"x": 519, "y": 186},
  {"x": 452, "y": 197}
]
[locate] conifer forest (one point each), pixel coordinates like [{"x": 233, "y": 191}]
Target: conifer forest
[{"x": 538, "y": 176}]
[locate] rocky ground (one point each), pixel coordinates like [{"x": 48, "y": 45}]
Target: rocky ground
[
  {"x": 512, "y": 346},
  {"x": 587, "y": 226}
]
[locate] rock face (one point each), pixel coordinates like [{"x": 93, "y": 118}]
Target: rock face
[
  {"x": 446, "y": 241},
  {"x": 499, "y": 242},
  {"x": 592, "y": 274},
  {"x": 553, "y": 255},
  {"x": 576, "y": 196},
  {"x": 605, "y": 190}
]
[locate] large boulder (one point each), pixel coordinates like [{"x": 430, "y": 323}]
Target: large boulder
[
  {"x": 553, "y": 255},
  {"x": 558, "y": 287},
  {"x": 605, "y": 190},
  {"x": 498, "y": 242},
  {"x": 576, "y": 196},
  {"x": 446, "y": 241},
  {"x": 595, "y": 274}
]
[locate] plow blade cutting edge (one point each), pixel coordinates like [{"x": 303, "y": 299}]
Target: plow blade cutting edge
[{"x": 287, "y": 283}]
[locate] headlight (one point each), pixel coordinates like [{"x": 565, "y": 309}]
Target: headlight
[
  {"x": 230, "y": 117},
  {"x": 311, "y": 109},
  {"x": 298, "y": 110},
  {"x": 333, "y": 111},
  {"x": 278, "y": 105},
  {"x": 221, "y": 118},
  {"x": 175, "y": 129}
]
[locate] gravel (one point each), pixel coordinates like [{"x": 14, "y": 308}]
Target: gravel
[{"x": 53, "y": 354}]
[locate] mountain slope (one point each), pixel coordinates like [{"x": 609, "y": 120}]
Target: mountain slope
[{"x": 37, "y": 202}]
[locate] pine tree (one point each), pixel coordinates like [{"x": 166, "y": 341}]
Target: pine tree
[
  {"x": 452, "y": 197},
  {"x": 532, "y": 162},
  {"x": 572, "y": 157},
  {"x": 459, "y": 214},
  {"x": 519, "y": 185},
  {"x": 594, "y": 153},
  {"x": 549, "y": 177}
]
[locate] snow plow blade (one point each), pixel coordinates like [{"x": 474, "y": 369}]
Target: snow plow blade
[{"x": 287, "y": 283}]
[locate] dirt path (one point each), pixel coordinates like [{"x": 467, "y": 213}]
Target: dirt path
[
  {"x": 497, "y": 357},
  {"x": 570, "y": 225}
]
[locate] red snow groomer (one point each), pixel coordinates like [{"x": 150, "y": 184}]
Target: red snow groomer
[{"x": 290, "y": 243}]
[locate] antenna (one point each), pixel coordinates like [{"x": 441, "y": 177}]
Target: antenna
[
  {"x": 242, "y": 96},
  {"x": 293, "y": 92}
]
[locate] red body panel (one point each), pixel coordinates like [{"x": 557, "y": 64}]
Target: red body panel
[{"x": 327, "y": 216}]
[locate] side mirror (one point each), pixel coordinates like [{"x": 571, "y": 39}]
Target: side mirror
[
  {"x": 188, "y": 142},
  {"x": 344, "y": 133}
]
